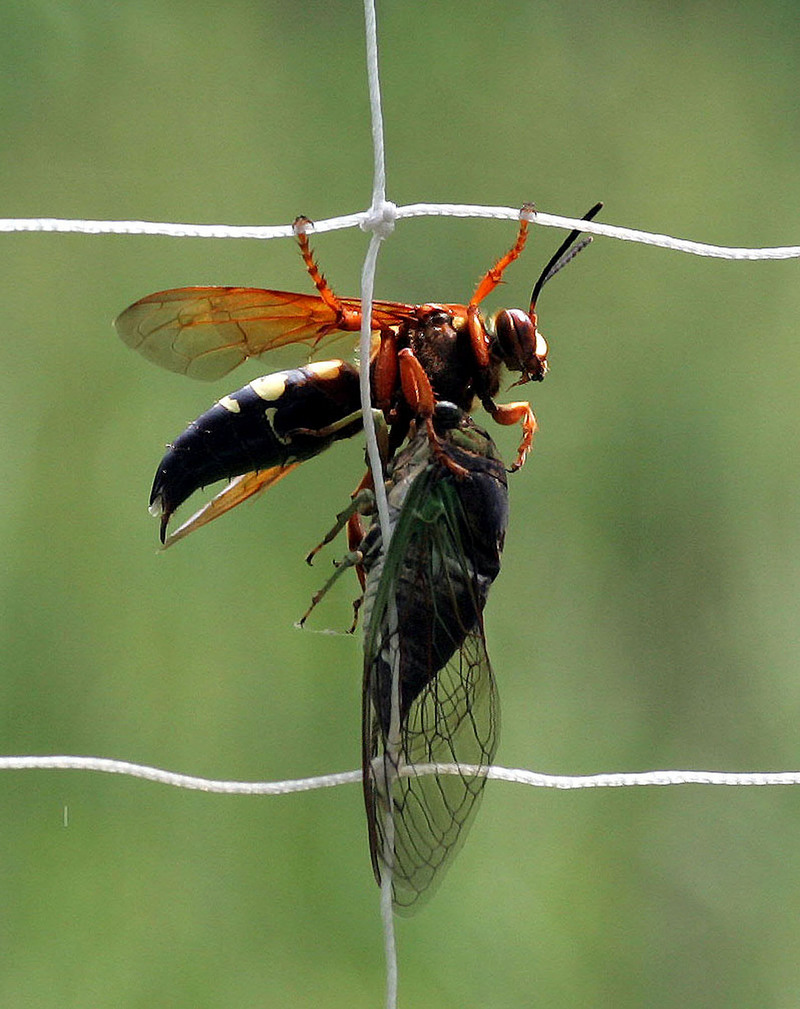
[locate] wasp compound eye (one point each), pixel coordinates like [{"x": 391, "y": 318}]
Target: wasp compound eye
[{"x": 519, "y": 345}]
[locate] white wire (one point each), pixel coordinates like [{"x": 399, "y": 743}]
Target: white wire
[
  {"x": 516, "y": 775},
  {"x": 368, "y": 220},
  {"x": 380, "y": 221}
]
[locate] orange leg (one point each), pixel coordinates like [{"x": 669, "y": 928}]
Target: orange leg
[
  {"x": 517, "y": 413},
  {"x": 418, "y": 393},
  {"x": 384, "y": 370},
  {"x": 493, "y": 277},
  {"x": 416, "y": 385},
  {"x": 346, "y": 318},
  {"x": 489, "y": 281}
]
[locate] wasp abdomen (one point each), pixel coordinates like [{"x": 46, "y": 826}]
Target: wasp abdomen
[{"x": 274, "y": 420}]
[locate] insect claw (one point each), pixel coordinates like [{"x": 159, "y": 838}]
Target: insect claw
[
  {"x": 356, "y": 610},
  {"x": 527, "y": 212},
  {"x": 302, "y": 225}
]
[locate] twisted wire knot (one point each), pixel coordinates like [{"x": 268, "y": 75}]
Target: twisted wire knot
[{"x": 379, "y": 219}]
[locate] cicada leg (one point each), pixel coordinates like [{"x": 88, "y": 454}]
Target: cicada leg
[
  {"x": 348, "y": 561},
  {"x": 362, "y": 503}
]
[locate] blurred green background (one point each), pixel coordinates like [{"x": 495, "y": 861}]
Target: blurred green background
[{"x": 647, "y": 614}]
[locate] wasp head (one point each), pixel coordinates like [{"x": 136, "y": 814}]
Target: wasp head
[
  {"x": 519, "y": 345},
  {"x": 517, "y": 342}
]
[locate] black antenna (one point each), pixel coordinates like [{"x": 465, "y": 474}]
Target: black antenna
[{"x": 564, "y": 254}]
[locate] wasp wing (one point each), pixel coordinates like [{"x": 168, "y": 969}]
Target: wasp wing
[
  {"x": 205, "y": 332},
  {"x": 240, "y": 488},
  {"x": 425, "y": 618}
]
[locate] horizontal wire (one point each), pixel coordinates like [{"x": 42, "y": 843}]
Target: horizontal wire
[
  {"x": 515, "y": 775},
  {"x": 363, "y": 219}
]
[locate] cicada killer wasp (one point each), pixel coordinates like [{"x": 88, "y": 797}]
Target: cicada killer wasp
[
  {"x": 425, "y": 593},
  {"x": 258, "y": 434}
]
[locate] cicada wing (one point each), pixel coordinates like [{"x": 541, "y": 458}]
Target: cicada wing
[
  {"x": 454, "y": 721},
  {"x": 433, "y": 597}
]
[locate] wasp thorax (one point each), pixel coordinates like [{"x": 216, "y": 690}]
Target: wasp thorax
[{"x": 519, "y": 344}]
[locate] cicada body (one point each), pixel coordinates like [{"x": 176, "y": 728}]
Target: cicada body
[{"x": 423, "y": 617}]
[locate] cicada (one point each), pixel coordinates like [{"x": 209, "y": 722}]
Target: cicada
[{"x": 423, "y": 624}]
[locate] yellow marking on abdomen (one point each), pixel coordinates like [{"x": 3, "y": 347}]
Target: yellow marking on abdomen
[
  {"x": 231, "y": 405},
  {"x": 324, "y": 369},
  {"x": 270, "y": 387}
]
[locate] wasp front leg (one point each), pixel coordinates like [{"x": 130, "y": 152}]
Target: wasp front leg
[
  {"x": 516, "y": 413},
  {"x": 475, "y": 327},
  {"x": 494, "y": 276}
]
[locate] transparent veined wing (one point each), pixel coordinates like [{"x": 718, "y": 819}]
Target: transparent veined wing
[{"x": 423, "y": 612}]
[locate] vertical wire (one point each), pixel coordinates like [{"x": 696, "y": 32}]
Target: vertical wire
[
  {"x": 373, "y": 80},
  {"x": 381, "y": 223},
  {"x": 380, "y": 227}
]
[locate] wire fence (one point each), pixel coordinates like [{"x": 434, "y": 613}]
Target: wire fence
[{"x": 379, "y": 220}]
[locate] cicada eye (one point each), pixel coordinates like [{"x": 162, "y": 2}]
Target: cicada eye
[{"x": 519, "y": 345}]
